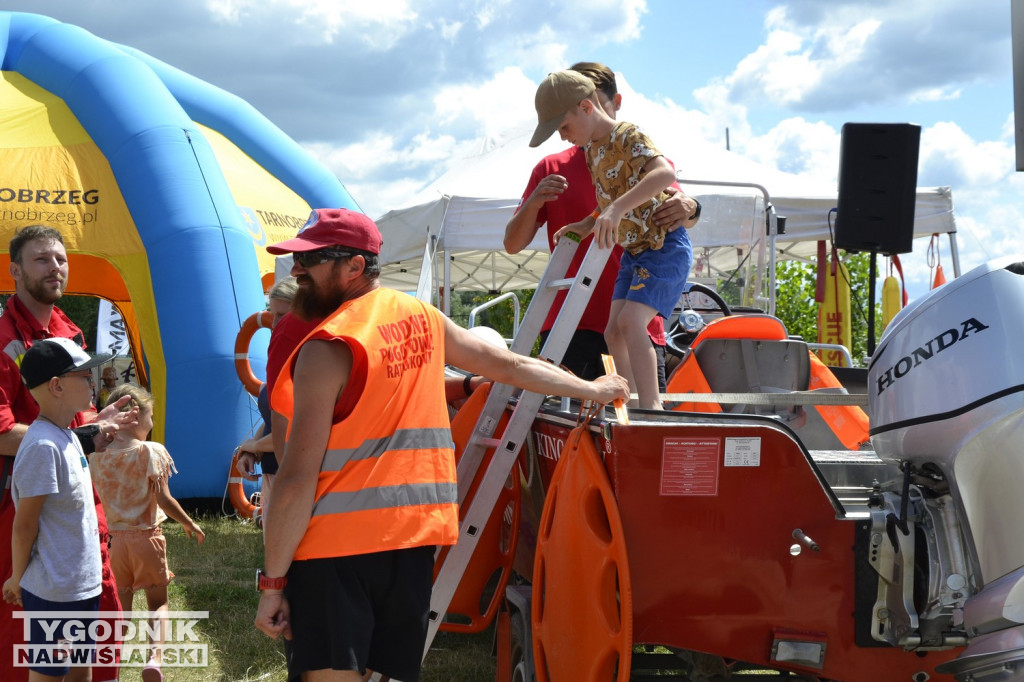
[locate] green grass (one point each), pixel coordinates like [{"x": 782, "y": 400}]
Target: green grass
[
  {"x": 461, "y": 658},
  {"x": 219, "y": 576}
]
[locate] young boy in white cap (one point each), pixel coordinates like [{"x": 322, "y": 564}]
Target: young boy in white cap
[
  {"x": 630, "y": 177},
  {"x": 56, "y": 513}
]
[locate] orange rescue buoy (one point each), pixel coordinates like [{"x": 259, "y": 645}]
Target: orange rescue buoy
[
  {"x": 236, "y": 493},
  {"x": 261, "y": 320}
]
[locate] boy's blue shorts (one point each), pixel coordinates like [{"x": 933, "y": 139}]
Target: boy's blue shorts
[
  {"x": 58, "y": 653},
  {"x": 656, "y": 278}
]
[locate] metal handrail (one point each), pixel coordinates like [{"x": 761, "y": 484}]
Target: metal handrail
[
  {"x": 834, "y": 347},
  {"x": 494, "y": 301},
  {"x": 771, "y": 229}
]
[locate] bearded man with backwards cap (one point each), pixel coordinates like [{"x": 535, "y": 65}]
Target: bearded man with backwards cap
[{"x": 367, "y": 486}]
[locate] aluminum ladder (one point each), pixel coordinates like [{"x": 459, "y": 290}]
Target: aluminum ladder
[{"x": 507, "y": 445}]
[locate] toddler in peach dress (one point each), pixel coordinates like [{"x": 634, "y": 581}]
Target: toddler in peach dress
[{"x": 131, "y": 477}]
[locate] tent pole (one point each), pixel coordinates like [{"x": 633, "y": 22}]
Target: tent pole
[
  {"x": 872, "y": 272},
  {"x": 447, "y": 285},
  {"x": 954, "y": 253}
]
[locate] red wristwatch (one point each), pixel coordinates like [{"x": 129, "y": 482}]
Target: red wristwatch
[{"x": 265, "y": 583}]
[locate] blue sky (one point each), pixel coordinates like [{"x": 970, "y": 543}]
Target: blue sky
[{"x": 392, "y": 93}]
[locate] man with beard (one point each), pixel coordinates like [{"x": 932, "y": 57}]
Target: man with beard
[
  {"x": 367, "y": 488},
  {"x": 39, "y": 267}
]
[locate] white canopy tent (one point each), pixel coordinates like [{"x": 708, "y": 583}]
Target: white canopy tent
[{"x": 450, "y": 236}]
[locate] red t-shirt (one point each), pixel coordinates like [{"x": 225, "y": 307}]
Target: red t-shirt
[
  {"x": 286, "y": 335},
  {"x": 576, "y": 203},
  {"x": 284, "y": 339}
]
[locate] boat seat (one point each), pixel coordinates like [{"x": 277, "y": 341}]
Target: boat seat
[{"x": 755, "y": 366}]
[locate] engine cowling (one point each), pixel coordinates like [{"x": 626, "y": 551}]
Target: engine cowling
[{"x": 946, "y": 389}]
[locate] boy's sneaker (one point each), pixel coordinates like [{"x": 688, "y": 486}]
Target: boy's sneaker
[{"x": 151, "y": 673}]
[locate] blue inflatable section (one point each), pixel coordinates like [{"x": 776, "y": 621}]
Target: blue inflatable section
[{"x": 140, "y": 113}]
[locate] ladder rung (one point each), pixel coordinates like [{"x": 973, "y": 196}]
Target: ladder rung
[
  {"x": 562, "y": 283},
  {"x": 486, "y": 442}
]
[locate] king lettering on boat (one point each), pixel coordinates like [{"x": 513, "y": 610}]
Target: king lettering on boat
[{"x": 925, "y": 352}]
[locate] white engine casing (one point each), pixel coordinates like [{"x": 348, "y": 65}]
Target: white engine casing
[{"x": 946, "y": 386}]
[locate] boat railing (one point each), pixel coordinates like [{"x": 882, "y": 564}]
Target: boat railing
[
  {"x": 510, "y": 295},
  {"x": 838, "y": 348}
]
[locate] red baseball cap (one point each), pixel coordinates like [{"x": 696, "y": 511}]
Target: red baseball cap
[{"x": 333, "y": 227}]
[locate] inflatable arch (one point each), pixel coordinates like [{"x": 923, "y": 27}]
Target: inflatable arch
[{"x": 166, "y": 189}]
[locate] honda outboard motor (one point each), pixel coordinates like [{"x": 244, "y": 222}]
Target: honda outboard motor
[{"x": 946, "y": 400}]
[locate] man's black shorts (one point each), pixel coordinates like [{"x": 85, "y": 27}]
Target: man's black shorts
[
  {"x": 583, "y": 356},
  {"x": 359, "y": 612},
  {"x": 268, "y": 463}
]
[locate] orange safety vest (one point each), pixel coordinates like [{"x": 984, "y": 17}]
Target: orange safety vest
[{"x": 388, "y": 477}]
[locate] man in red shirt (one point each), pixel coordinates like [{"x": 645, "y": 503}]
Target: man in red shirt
[
  {"x": 560, "y": 192},
  {"x": 39, "y": 266}
]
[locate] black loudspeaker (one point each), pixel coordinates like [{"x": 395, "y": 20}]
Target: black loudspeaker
[{"x": 877, "y": 187}]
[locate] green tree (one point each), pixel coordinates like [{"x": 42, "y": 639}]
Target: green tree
[
  {"x": 795, "y": 305},
  {"x": 84, "y": 312},
  {"x": 794, "y": 298},
  {"x": 500, "y": 317}
]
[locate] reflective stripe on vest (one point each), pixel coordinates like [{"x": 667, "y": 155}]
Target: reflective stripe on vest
[
  {"x": 404, "y": 439},
  {"x": 387, "y": 497}
]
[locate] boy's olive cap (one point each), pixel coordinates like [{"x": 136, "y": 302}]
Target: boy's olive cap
[{"x": 557, "y": 94}]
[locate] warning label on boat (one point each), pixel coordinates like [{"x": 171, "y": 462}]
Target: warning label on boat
[{"x": 689, "y": 466}]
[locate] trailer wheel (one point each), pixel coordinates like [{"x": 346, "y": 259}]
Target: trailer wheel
[{"x": 520, "y": 667}]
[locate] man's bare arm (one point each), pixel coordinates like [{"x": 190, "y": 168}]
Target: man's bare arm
[
  {"x": 472, "y": 353},
  {"x": 677, "y": 211},
  {"x": 522, "y": 227},
  {"x": 10, "y": 440}
]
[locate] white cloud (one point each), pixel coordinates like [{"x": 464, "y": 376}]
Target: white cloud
[
  {"x": 379, "y": 23},
  {"x": 796, "y": 145},
  {"x": 502, "y": 103},
  {"x": 450, "y": 29},
  {"x": 947, "y": 150},
  {"x": 1008, "y": 132},
  {"x": 831, "y": 56},
  {"x": 794, "y": 61},
  {"x": 542, "y": 49},
  {"x": 935, "y": 94}
]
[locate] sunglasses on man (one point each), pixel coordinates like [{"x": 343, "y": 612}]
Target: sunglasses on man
[{"x": 308, "y": 259}]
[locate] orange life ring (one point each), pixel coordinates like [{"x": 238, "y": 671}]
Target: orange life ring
[
  {"x": 236, "y": 493},
  {"x": 261, "y": 320}
]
